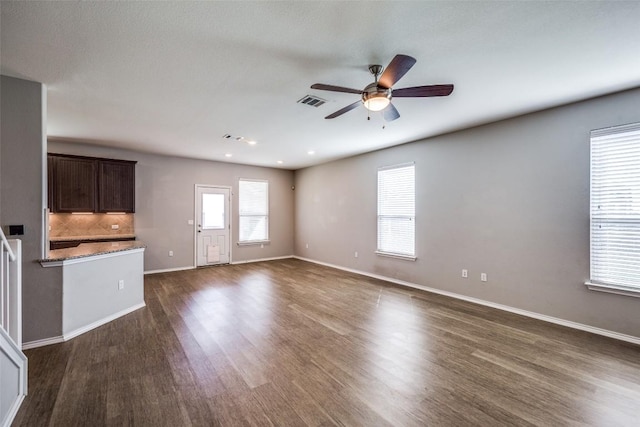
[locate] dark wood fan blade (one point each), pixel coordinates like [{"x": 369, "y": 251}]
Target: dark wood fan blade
[
  {"x": 423, "y": 91},
  {"x": 321, "y": 86},
  {"x": 344, "y": 110},
  {"x": 390, "y": 113},
  {"x": 397, "y": 68}
]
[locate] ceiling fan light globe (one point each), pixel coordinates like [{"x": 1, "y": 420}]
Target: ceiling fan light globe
[{"x": 376, "y": 103}]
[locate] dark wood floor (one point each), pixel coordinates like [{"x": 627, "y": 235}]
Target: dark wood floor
[{"x": 293, "y": 343}]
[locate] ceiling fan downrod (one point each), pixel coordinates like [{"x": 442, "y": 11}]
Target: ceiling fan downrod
[{"x": 376, "y": 70}]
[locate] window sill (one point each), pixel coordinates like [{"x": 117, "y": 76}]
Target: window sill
[
  {"x": 399, "y": 256},
  {"x": 614, "y": 289},
  {"x": 254, "y": 242}
]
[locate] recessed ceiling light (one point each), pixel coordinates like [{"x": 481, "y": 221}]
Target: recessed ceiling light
[
  {"x": 311, "y": 152},
  {"x": 280, "y": 162},
  {"x": 228, "y": 155},
  {"x": 251, "y": 142}
]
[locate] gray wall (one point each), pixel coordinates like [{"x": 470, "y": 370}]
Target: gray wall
[
  {"x": 510, "y": 199},
  {"x": 23, "y": 129},
  {"x": 165, "y": 189}
]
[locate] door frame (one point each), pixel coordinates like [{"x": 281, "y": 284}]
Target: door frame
[{"x": 195, "y": 220}]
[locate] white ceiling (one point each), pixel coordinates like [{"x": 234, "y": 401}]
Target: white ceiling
[{"x": 173, "y": 77}]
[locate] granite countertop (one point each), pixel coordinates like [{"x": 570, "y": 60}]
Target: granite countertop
[
  {"x": 93, "y": 237},
  {"x": 92, "y": 249}
]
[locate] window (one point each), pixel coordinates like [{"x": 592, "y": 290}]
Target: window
[
  {"x": 396, "y": 211},
  {"x": 254, "y": 210},
  {"x": 615, "y": 210},
  {"x": 212, "y": 211}
]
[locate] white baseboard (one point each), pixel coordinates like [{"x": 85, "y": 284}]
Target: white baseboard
[
  {"x": 262, "y": 259},
  {"x": 592, "y": 329},
  {"x": 169, "y": 270},
  {"x": 80, "y": 331},
  {"x": 191, "y": 267},
  {"x": 42, "y": 342},
  {"x": 102, "y": 321}
]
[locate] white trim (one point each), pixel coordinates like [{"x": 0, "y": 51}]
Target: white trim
[
  {"x": 399, "y": 256},
  {"x": 169, "y": 270},
  {"x": 13, "y": 411},
  {"x": 82, "y": 259},
  {"x": 613, "y": 289},
  {"x": 16, "y": 356},
  {"x": 574, "y": 325},
  {"x": 82, "y": 330},
  {"x": 263, "y": 259},
  {"x": 612, "y": 130},
  {"x": 254, "y": 242},
  {"x": 396, "y": 166},
  {"x": 43, "y": 342},
  {"x": 102, "y": 321}
]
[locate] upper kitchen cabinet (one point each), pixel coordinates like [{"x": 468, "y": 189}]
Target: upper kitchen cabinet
[
  {"x": 74, "y": 184},
  {"x": 116, "y": 186},
  {"x": 88, "y": 184},
  {"x": 50, "y": 185}
]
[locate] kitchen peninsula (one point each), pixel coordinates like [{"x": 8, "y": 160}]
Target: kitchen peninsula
[{"x": 101, "y": 282}]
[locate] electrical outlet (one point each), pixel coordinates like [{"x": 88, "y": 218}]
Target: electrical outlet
[
  {"x": 356, "y": 254},
  {"x": 261, "y": 245},
  {"x": 483, "y": 277},
  {"x": 120, "y": 285},
  {"x": 115, "y": 227},
  {"x": 465, "y": 273},
  {"x": 307, "y": 245},
  {"x": 170, "y": 253},
  {"x": 190, "y": 222}
]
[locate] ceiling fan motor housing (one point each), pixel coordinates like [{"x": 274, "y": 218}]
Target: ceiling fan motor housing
[{"x": 373, "y": 91}]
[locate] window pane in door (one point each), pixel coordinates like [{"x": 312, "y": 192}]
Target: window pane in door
[{"x": 212, "y": 211}]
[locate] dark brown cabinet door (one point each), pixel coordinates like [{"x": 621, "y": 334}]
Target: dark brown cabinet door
[
  {"x": 75, "y": 185},
  {"x": 116, "y": 186},
  {"x": 50, "y": 183}
]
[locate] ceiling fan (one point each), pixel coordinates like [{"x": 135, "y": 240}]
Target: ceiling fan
[{"x": 377, "y": 95}]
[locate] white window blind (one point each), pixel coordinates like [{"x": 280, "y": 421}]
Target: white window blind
[
  {"x": 253, "y": 209},
  {"x": 615, "y": 207},
  {"x": 396, "y": 210}
]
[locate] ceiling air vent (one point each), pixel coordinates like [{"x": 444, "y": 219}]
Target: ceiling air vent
[{"x": 312, "y": 101}]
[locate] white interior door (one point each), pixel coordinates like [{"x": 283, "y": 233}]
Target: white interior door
[{"x": 213, "y": 225}]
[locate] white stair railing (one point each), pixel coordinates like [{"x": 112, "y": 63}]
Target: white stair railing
[
  {"x": 11, "y": 289},
  {"x": 13, "y": 362}
]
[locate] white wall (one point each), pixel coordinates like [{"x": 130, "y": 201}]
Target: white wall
[
  {"x": 165, "y": 195},
  {"x": 91, "y": 292},
  {"x": 510, "y": 199}
]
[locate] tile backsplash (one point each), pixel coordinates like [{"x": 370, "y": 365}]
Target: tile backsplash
[{"x": 70, "y": 225}]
